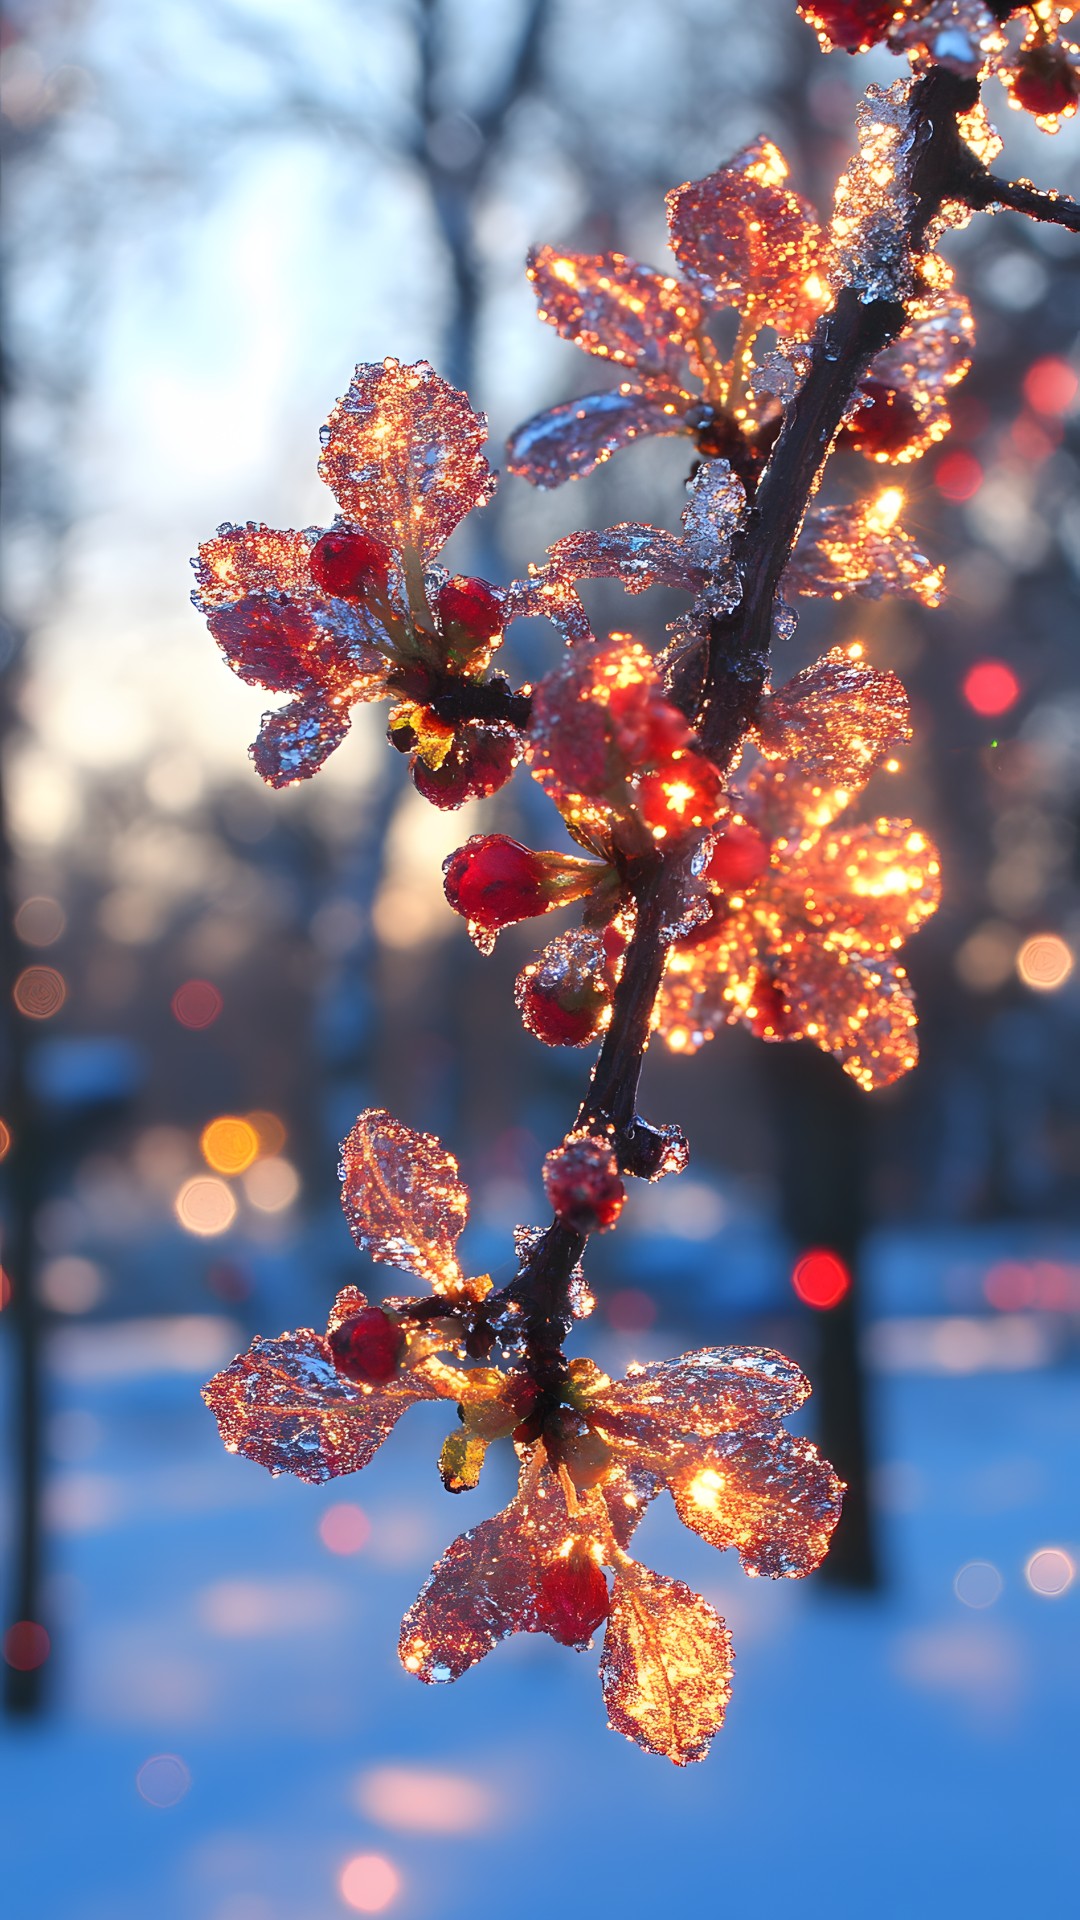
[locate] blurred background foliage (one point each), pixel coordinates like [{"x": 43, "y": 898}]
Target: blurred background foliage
[{"x": 212, "y": 212}]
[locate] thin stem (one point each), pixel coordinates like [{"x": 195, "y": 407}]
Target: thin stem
[{"x": 986, "y": 191}]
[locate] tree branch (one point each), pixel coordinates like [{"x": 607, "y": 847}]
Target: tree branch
[{"x": 985, "y": 191}]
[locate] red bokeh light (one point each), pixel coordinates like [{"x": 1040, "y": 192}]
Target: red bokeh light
[
  {"x": 1050, "y": 386},
  {"x": 990, "y": 687},
  {"x": 26, "y": 1646},
  {"x": 958, "y": 476},
  {"x": 630, "y": 1311},
  {"x": 820, "y": 1278},
  {"x": 196, "y": 1003}
]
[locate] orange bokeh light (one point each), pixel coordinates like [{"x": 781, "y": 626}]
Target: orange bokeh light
[
  {"x": 368, "y": 1883},
  {"x": 958, "y": 476},
  {"x": 5, "y": 1139},
  {"x": 990, "y": 687},
  {"x": 271, "y": 1131},
  {"x": 229, "y": 1144},
  {"x": 1045, "y": 962},
  {"x": 196, "y": 1004},
  {"x": 39, "y": 992},
  {"x": 820, "y": 1278},
  {"x": 1050, "y": 386}
]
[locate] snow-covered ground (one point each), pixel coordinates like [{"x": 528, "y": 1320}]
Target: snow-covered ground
[{"x": 908, "y": 1755}]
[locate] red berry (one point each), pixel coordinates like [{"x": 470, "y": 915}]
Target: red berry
[
  {"x": 493, "y": 881},
  {"x": 349, "y": 565},
  {"x": 549, "y": 1018},
  {"x": 851, "y": 24},
  {"x": 679, "y": 797},
  {"x": 480, "y": 761},
  {"x": 581, "y": 1180},
  {"x": 573, "y": 1599},
  {"x": 1044, "y": 82},
  {"x": 473, "y": 605},
  {"x": 885, "y": 423},
  {"x": 367, "y": 1347},
  {"x": 647, "y": 727},
  {"x": 739, "y": 857}
]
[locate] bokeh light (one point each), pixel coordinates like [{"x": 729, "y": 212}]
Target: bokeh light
[
  {"x": 1050, "y": 1572},
  {"x": 1045, "y": 962},
  {"x": 629, "y": 1310},
  {"x": 368, "y": 1883},
  {"x": 5, "y": 1139},
  {"x": 163, "y": 1780},
  {"x": 229, "y": 1144},
  {"x": 344, "y": 1528},
  {"x": 978, "y": 1584},
  {"x": 196, "y": 1004},
  {"x": 205, "y": 1206},
  {"x": 958, "y": 477},
  {"x": 40, "y": 920},
  {"x": 418, "y": 1800},
  {"x": 820, "y": 1278},
  {"x": 70, "y": 1284},
  {"x": 26, "y": 1646},
  {"x": 270, "y": 1130},
  {"x": 1050, "y": 386},
  {"x": 271, "y": 1185},
  {"x": 991, "y": 687},
  {"x": 39, "y": 992}
]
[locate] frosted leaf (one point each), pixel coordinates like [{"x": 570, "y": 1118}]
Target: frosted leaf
[
  {"x": 402, "y": 455},
  {"x": 284, "y": 1404},
  {"x": 836, "y": 720},
  {"x": 773, "y": 1498},
  {"x": 294, "y": 742},
  {"x": 714, "y": 1390},
  {"x": 666, "y": 1666},
  {"x": 569, "y": 441},
  {"x": 875, "y": 200},
  {"x": 867, "y": 887},
  {"x": 637, "y": 555},
  {"x": 750, "y": 241},
  {"x": 615, "y": 308},
  {"x": 927, "y": 359},
  {"x": 253, "y": 559},
  {"x": 403, "y": 1198},
  {"x": 860, "y": 1010},
  {"x": 628, "y": 1490},
  {"x": 861, "y": 549},
  {"x": 485, "y": 1586}
]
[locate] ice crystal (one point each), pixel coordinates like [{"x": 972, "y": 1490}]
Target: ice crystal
[
  {"x": 874, "y": 198},
  {"x": 864, "y": 550}
]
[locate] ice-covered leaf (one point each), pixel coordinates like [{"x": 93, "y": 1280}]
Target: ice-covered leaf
[
  {"x": 867, "y": 887},
  {"x": 253, "y": 559},
  {"x": 837, "y": 719},
  {"x": 402, "y": 454},
  {"x": 860, "y": 1010},
  {"x": 666, "y": 1667},
  {"x": 461, "y": 1460},
  {"x": 569, "y": 441},
  {"x": 772, "y": 1497},
  {"x": 861, "y": 549},
  {"x": 403, "y": 1197},
  {"x": 715, "y": 505},
  {"x": 930, "y": 357},
  {"x": 485, "y": 1585},
  {"x": 714, "y": 1390},
  {"x": 293, "y": 743},
  {"x": 615, "y": 308},
  {"x": 284, "y": 1404},
  {"x": 750, "y": 241}
]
